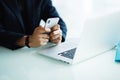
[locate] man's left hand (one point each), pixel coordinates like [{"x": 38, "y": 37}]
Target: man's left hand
[{"x": 56, "y": 34}]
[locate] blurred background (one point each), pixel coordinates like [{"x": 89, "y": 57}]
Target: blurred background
[{"x": 74, "y": 12}]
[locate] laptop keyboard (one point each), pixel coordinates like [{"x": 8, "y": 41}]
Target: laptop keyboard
[{"x": 68, "y": 54}]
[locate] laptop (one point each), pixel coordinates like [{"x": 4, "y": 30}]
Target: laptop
[{"x": 98, "y": 35}]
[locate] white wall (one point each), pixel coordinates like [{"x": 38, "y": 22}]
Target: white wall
[{"x": 74, "y": 11}]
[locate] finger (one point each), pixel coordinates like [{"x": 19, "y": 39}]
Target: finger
[
  {"x": 56, "y": 27},
  {"x": 45, "y": 36},
  {"x": 57, "y": 41},
  {"x": 41, "y": 26},
  {"x": 41, "y": 29},
  {"x": 55, "y": 36},
  {"x": 47, "y": 30},
  {"x": 56, "y": 32},
  {"x": 43, "y": 43},
  {"x": 45, "y": 40}
]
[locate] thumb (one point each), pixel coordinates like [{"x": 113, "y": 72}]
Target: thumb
[
  {"x": 56, "y": 27},
  {"x": 47, "y": 30},
  {"x": 41, "y": 29}
]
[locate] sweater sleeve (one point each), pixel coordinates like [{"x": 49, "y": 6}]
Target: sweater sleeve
[
  {"x": 8, "y": 38},
  {"x": 50, "y": 11}
]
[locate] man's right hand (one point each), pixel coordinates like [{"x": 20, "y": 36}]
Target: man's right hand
[{"x": 39, "y": 38}]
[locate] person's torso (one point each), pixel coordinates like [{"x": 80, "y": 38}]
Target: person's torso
[{"x": 21, "y": 15}]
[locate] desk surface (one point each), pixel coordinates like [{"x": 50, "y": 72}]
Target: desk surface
[{"x": 25, "y": 64}]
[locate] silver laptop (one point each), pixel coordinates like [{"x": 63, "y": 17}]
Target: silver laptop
[{"x": 99, "y": 35}]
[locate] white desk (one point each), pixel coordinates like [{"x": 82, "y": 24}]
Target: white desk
[{"x": 25, "y": 64}]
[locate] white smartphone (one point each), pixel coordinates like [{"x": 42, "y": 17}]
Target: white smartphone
[{"x": 51, "y": 22}]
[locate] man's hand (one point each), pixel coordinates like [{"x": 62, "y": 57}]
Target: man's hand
[
  {"x": 38, "y": 38},
  {"x": 56, "y": 34}
]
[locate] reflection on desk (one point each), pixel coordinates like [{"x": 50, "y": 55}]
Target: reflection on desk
[{"x": 26, "y": 64}]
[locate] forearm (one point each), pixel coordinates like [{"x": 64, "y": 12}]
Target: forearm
[{"x": 8, "y": 39}]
